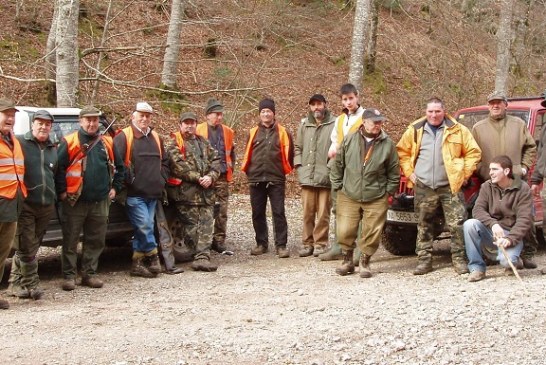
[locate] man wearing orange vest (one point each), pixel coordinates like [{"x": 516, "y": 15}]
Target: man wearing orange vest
[
  {"x": 220, "y": 137},
  {"x": 12, "y": 187},
  {"x": 195, "y": 166},
  {"x": 147, "y": 170},
  {"x": 89, "y": 175},
  {"x": 269, "y": 157},
  {"x": 347, "y": 123}
]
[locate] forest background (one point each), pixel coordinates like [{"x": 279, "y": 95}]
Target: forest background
[{"x": 240, "y": 51}]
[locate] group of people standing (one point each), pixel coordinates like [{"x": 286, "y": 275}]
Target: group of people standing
[{"x": 347, "y": 165}]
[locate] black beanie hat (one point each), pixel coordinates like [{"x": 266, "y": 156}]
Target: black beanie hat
[{"x": 267, "y": 104}]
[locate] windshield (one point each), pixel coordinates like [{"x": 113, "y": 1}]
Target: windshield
[{"x": 470, "y": 118}]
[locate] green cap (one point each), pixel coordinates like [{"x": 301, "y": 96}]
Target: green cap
[
  {"x": 6, "y": 104},
  {"x": 188, "y": 116},
  {"x": 90, "y": 111}
]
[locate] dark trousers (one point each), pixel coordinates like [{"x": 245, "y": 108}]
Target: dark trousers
[{"x": 259, "y": 193}]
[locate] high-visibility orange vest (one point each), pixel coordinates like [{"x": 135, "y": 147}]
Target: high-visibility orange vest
[
  {"x": 129, "y": 136},
  {"x": 74, "y": 171},
  {"x": 203, "y": 130},
  {"x": 12, "y": 169},
  {"x": 353, "y": 128},
  {"x": 285, "y": 149},
  {"x": 175, "y": 181}
]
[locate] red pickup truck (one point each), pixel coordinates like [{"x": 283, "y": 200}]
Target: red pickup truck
[{"x": 400, "y": 232}]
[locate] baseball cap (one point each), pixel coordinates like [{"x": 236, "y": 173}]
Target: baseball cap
[
  {"x": 374, "y": 115},
  {"x": 497, "y": 95},
  {"x": 317, "y": 97},
  {"x": 188, "y": 116}
]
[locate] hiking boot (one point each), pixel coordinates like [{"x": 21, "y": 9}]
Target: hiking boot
[
  {"x": 36, "y": 293},
  {"x": 92, "y": 282},
  {"x": 460, "y": 267},
  {"x": 476, "y": 276},
  {"x": 68, "y": 284},
  {"x": 518, "y": 265},
  {"x": 319, "y": 250},
  {"x": 347, "y": 267},
  {"x": 218, "y": 247},
  {"x": 364, "y": 266},
  {"x": 16, "y": 290},
  {"x": 529, "y": 263},
  {"x": 154, "y": 266},
  {"x": 4, "y": 304},
  {"x": 203, "y": 264},
  {"x": 306, "y": 251},
  {"x": 283, "y": 252},
  {"x": 423, "y": 267},
  {"x": 333, "y": 254},
  {"x": 138, "y": 269},
  {"x": 259, "y": 250}
]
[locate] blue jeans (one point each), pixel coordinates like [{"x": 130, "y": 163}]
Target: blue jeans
[
  {"x": 141, "y": 213},
  {"x": 478, "y": 241}
]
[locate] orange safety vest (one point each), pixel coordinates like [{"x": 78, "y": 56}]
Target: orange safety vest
[
  {"x": 74, "y": 171},
  {"x": 129, "y": 136},
  {"x": 175, "y": 181},
  {"x": 353, "y": 128},
  {"x": 12, "y": 169},
  {"x": 285, "y": 149},
  {"x": 203, "y": 130}
]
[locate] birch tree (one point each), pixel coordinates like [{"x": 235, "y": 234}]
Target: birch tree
[
  {"x": 172, "y": 52},
  {"x": 66, "y": 44},
  {"x": 50, "y": 56},
  {"x": 372, "y": 39},
  {"x": 358, "y": 44},
  {"x": 504, "y": 36}
]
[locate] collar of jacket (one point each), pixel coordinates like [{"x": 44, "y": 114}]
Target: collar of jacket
[
  {"x": 29, "y": 137},
  {"x": 516, "y": 184},
  {"x": 449, "y": 122}
]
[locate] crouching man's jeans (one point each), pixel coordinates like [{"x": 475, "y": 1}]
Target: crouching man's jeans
[
  {"x": 141, "y": 214},
  {"x": 478, "y": 241}
]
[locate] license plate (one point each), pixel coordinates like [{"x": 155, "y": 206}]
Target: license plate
[{"x": 402, "y": 217}]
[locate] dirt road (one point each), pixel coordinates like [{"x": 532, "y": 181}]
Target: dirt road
[{"x": 267, "y": 310}]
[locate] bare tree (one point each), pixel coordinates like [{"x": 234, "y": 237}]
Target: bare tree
[
  {"x": 372, "y": 39},
  {"x": 66, "y": 43},
  {"x": 50, "y": 56},
  {"x": 504, "y": 36},
  {"x": 170, "y": 59},
  {"x": 360, "y": 26}
]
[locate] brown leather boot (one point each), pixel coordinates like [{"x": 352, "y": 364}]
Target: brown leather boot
[
  {"x": 138, "y": 269},
  {"x": 154, "y": 266},
  {"x": 306, "y": 251},
  {"x": 364, "y": 266},
  {"x": 423, "y": 267},
  {"x": 203, "y": 264},
  {"x": 347, "y": 267}
]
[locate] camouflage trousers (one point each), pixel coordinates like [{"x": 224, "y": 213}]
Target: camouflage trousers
[
  {"x": 7, "y": 233},
  {"x": 31, "y": 227},
  {"x": 197, "y": 221},
  {"x": 221, "y": 210},
  {"x": 427, "y": 201}
]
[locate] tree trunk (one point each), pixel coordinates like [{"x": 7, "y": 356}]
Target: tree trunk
[
  {"x": 50, "y": 56},
  {"x": 504, "y": 36},
  {"x": 372, "y": 39},
  {"x": 356, "y": 70},
  {"x": 170, "y": 59},
  {"x": 66, "y": 41},
  {"x": 100, "y": 55}
]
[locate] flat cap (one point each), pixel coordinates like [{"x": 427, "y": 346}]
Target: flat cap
[
  {"x": 188, "y": 116},
  {"x": 90, "y": 111},
  {"x": 6, "y": 104},
  {"x": 144, "y": 107},
  {"x": 43, "y": 114}
]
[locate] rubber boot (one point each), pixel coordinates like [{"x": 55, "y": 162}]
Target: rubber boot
[
  {"x": 334, "y": 253},
  {"x": 347, "y": 267}
]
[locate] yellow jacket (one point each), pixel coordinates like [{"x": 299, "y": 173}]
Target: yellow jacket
[{"x": 460, "y": 151}]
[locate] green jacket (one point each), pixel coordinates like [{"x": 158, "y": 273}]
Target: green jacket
[
  {"x": 40, "y": 167},
  {"x": 311, "y": 151},
  {"x": 365, "y": 182},
  {"x": 199, "y": 159}
]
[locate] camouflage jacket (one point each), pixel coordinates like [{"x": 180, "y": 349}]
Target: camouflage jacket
[{"x": 197, "y": 159}]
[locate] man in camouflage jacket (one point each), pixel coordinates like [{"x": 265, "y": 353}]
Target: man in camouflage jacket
[{"x": 195, "y": 166}]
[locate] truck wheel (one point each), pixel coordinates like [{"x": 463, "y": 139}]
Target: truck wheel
[{"x": 399, "y": 241}]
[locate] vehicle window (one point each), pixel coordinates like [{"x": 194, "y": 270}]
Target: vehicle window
[
  {"x": 63, "y": 125},
  {"x": 471, "y": 118}
]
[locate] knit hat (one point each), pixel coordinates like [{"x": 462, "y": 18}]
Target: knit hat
[
  {"x": 188, "y": 116},
  {"x": 43, "y": 114},
  {"x": 267, "y": 104},
  {"x": 6, "y": 104},
  {"x": 213, "y": 106}
]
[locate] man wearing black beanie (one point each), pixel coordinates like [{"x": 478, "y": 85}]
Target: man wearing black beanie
[{"x": 269, "y": 157}]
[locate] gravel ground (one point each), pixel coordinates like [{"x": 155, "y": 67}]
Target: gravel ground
[{"x": 267, "y": 310}]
